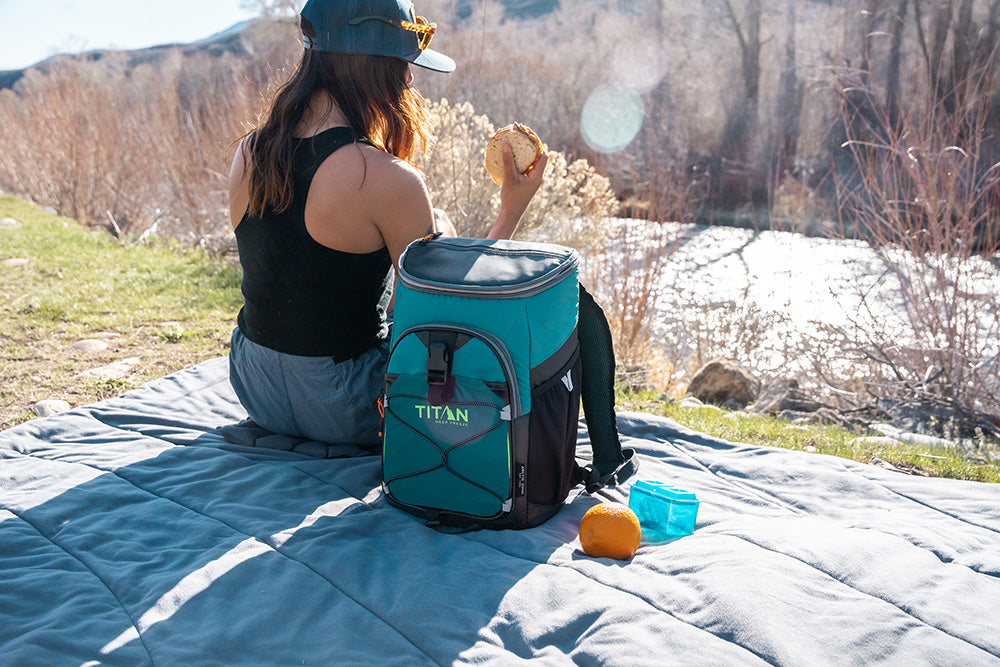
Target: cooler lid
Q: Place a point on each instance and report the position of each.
(497, 268)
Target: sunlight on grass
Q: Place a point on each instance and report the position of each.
(108, 387)
(980, 464)
(168, 305)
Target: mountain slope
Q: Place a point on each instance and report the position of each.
(241, 39)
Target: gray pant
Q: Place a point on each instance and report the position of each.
(310, 397)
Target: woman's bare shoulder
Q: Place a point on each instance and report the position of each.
(395, 199)
(366, 175)
(387, 173)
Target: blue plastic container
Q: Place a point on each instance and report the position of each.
(665, 512)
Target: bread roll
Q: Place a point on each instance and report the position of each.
(523, 141)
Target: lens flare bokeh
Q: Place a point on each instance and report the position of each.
(640, 63)
(611, 118)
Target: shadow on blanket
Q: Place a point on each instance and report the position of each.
(132, 532)
(188, 556)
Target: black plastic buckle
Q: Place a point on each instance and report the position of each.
(438, 362)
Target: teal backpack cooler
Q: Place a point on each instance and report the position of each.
(494, 346)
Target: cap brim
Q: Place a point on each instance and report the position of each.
(434, 60)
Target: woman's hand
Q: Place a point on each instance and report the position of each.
(516, 192)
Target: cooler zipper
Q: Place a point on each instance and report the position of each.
(530, 288)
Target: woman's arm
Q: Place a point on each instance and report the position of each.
(515, 193)
(239, 190)
(398, 204)
(401, 209)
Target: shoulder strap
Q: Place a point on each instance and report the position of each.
(611, 463)
(312, 151)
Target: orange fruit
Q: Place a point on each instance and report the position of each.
(610, 530)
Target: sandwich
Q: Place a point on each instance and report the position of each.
(525, 144)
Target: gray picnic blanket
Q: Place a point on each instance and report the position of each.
(153, 529)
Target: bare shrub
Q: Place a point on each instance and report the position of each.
(698, 330)
(737, 330)
(570, 208)
(144, 149)
(453, 167)
(504, 74)
(139, 148)
(926, 197)
(533, 70)
(542, 71)
(131, 150)
(798, 207)
(626, 279)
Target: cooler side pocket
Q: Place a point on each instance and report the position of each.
(555, 415)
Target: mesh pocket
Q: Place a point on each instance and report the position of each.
(555, 414)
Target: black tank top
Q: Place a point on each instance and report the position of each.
(301, 297)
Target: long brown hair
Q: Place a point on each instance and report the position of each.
(371, 92)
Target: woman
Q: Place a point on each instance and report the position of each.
(323, 199)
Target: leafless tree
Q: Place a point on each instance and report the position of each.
(740, 164)
(788, 107)
(898, 20)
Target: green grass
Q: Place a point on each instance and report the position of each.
(982, 465)
(168, 305)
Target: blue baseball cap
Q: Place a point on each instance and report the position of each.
(371, 27)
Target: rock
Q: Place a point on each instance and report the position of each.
(690, 402)
(885, 429)
(16, 261)
(784, 394)
(89, 346)
(924, 440)
(820, 416)
(916, 415)
(112, 371)
(9, 223)
(49, 407)
(876, 440)
(900, 435)
(788, 415)
(879, 463)
(441, 218)
(723, 381)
